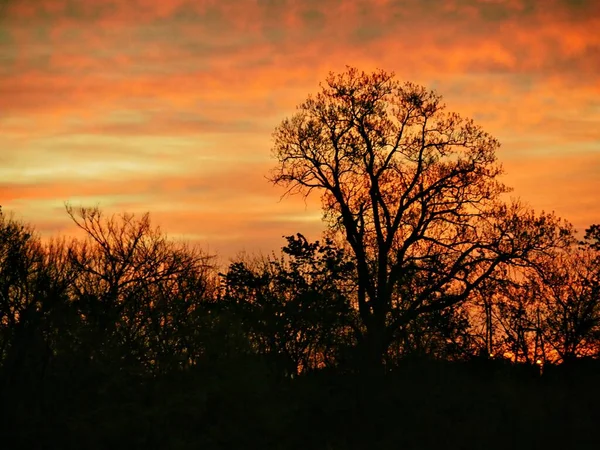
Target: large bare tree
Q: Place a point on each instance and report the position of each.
(414, 191)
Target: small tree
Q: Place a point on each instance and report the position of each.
(414, 191)
(34, 307)
(294, 309)
(570, 293)
(139, 293)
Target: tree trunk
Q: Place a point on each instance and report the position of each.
(372, 349)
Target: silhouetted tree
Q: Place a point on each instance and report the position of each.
(519, 319)
(547, 311)
(295, 308)
(442, 334)
(141, 296)
(592, 237)
(570, 293)
(415, 192)
(34, 308)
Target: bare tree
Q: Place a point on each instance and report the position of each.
(138, 288)
(569, 293)
(413, 189)
(34, 286)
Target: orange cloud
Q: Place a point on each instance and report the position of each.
(168, 105)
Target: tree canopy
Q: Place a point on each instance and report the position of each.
(413, 189)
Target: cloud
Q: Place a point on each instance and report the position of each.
(567, 184)
(168, 105)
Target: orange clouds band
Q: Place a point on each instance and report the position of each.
(168, 106)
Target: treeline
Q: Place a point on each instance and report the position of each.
(128, 293)
(423, 319)
(114, 316)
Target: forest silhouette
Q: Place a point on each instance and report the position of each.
(435, 312)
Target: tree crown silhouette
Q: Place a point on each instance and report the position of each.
(412, 188)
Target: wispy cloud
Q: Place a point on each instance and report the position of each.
(168, 106)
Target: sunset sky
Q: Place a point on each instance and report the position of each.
(168, 106)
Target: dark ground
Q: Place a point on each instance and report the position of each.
(422, 405)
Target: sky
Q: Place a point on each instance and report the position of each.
(168, 106)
